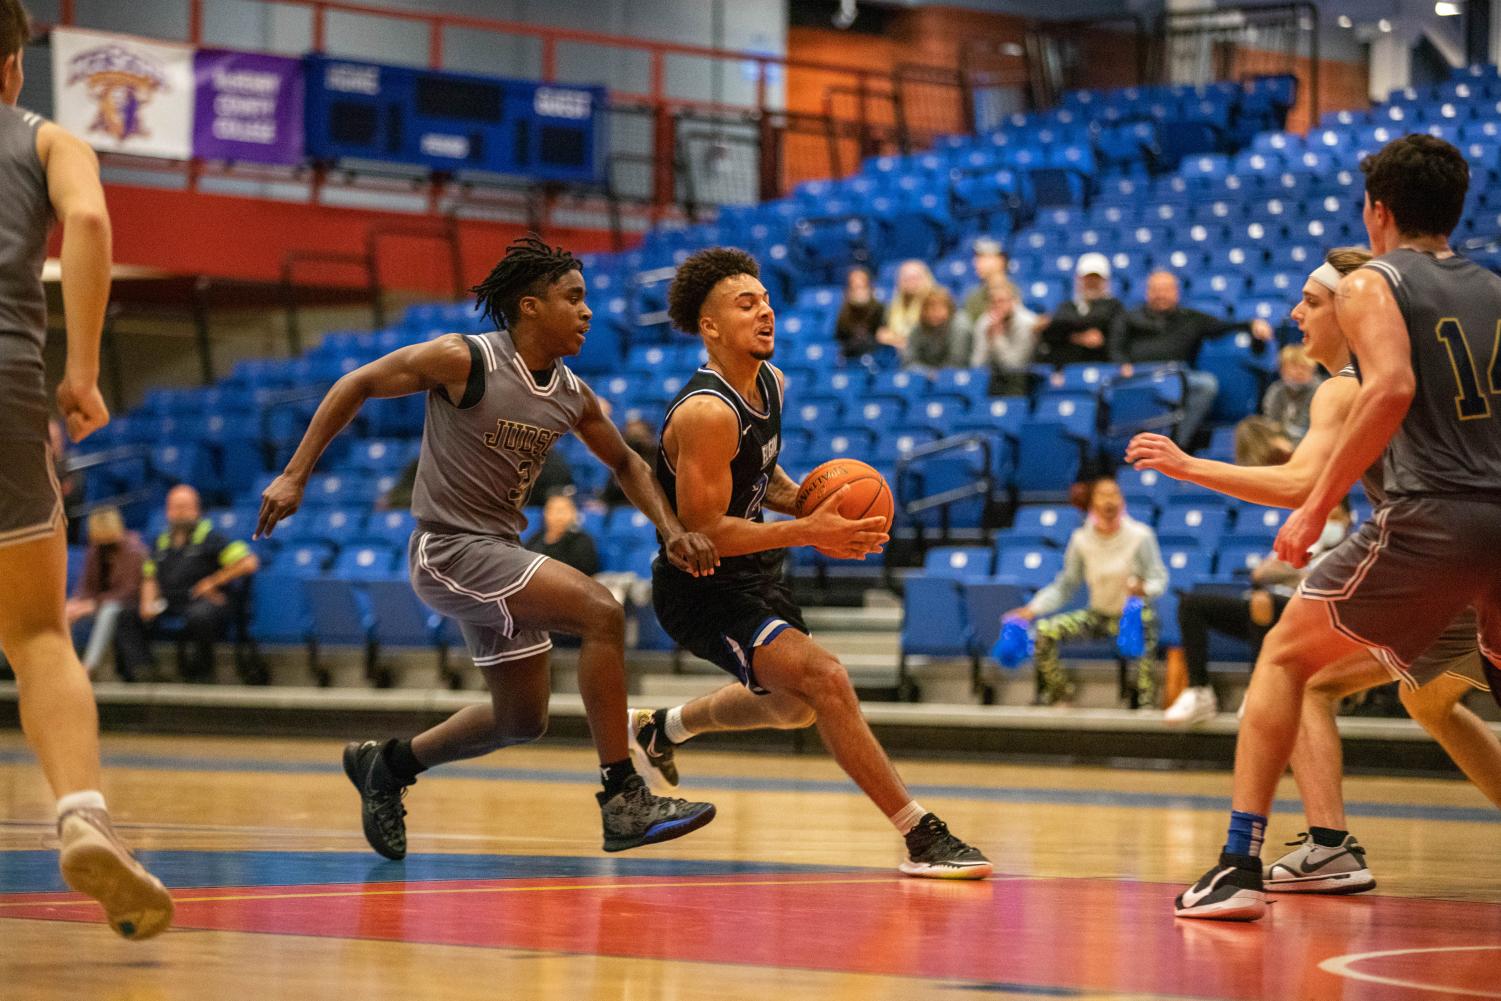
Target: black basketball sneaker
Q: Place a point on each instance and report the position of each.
(934, 853)
(1231, 891)
(634, 817)
(381, 812)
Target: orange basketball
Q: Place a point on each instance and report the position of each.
(868, 496)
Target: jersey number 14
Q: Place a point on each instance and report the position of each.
(1473, 400)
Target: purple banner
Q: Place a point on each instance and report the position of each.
(248, 107)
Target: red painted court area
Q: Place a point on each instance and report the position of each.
(1060, 936)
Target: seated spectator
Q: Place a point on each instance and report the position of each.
(1288, 399)
(109, 592)
(190, 567)
(1260, 441)
(913, 283)
(1005, 338)
(1248, 615)
(641, 439)
(1115, 557)
(1077, 331)
(990, 262)
(859, 317)
(561, 538)
(1162, 330)
(941, 338)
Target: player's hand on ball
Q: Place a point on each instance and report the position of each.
(82, 408)
(281, 500)
(1299, 532)
(842, 537)
(1155, 451)
(692, 552)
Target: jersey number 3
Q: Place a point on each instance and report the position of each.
(1473, 400)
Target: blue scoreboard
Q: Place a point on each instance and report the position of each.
(454, 121)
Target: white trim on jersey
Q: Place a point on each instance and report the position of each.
(485, 349)
(573, 380)
(753, 410)
(1386, 268)
(531, 384)
(702, 391)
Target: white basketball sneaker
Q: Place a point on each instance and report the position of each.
(1313, 868)
(1192, 706)
(94, 862)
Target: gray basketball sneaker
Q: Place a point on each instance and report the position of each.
(1312, 868)
(634, 817)
(94, 862)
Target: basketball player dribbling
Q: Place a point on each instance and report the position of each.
(47, 174)
(1422, 322)
(1327, 858)
(717, 463)
(496, 403)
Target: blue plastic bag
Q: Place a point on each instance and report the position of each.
(1015, 644)
(1131, 638)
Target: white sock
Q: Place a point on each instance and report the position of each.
(907, 817)
(88, 799)
(673, 729)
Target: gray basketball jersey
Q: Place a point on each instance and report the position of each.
(25, 219)
(480, 456)
(1450, 441)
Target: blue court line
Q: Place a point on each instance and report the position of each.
(36, 871)
(709, 783)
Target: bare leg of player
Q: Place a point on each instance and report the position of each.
(517, 714)
(62, 726)
(735, 707)
(1318, 757)
(1462, 734)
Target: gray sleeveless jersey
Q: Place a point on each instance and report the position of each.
(478, 460)
(25, 218)
(1450, 441)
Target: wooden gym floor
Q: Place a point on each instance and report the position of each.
(790, 893)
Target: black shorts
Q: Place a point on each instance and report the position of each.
(1412, 569)
(724, 619)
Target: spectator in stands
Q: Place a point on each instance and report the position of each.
(1078, 331)
(860, 316)
(990, 262)
(1115, 557)
(942, 336)
(642, 439)
(109, 592)
(1247, 616)
(1005, 338)
(1163, 330)
(186, 578)
(913, 283)
(561, 538)
(1288, 399)
(1260, 441)
(68, 483)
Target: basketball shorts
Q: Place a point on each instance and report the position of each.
(1411, 571)
(31, 503)
(468, 578)
(724, 620)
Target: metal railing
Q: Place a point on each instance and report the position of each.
(943, 500)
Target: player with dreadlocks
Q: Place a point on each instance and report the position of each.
(496, 403)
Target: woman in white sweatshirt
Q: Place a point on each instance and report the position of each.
(1116, 557)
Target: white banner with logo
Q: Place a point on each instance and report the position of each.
(124, 94)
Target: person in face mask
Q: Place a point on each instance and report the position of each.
(191, 564)
(109, 592)
(1327, 859)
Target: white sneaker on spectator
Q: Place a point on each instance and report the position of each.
(1193, 706)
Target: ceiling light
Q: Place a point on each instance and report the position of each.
(1446, 8)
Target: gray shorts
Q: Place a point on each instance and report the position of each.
(31, 503)
(1404, 585)
(468, 578)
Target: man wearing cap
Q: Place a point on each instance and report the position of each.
(1162, 330)
(1078, 331)
(990, 262)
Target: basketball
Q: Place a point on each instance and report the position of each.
(868, 496)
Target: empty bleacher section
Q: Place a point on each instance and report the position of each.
(1201, 181)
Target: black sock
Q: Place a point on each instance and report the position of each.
(614, 775)
(400, 762)
(1328, 837)
(659, 719)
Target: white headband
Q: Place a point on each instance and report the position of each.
(1326, 275)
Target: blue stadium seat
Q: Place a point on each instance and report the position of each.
(876, 413)
(365, 563)
(1254, 522)
(957, 561)
(1048, 459)
(340, 613)
(350, 489)
(1031, 567)
(1192, 522)
(279, 611)
(932, 623)
(306, 559)
(394, 528)
(1187, 562)
(1239, 560)
(904, 385)
(336, 525)
(1054, 522)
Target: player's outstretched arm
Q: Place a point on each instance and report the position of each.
(443, 362)
(1373, 324)
(690, 552)
(78, 202)
(706, 436)
(1287, 485)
